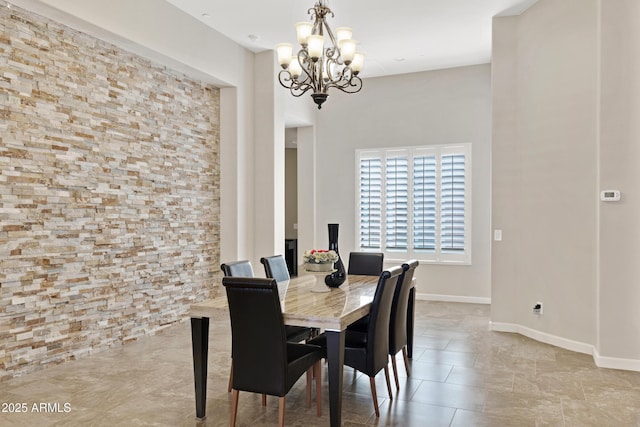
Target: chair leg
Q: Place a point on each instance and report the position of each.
(317, 368)
(309, 378)
(281, 412)
(372, 381)
(386, 376)
(230, 377)
(264, 400)
(406, 360)
(234, 407)
(395, 371)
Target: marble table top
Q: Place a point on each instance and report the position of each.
(307, 301)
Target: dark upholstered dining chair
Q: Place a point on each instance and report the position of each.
(365, 263)
(243, 269)
(265, 361)
(237, 269)
(398, 320)
(368, 351)
(275, 267)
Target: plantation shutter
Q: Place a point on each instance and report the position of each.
(424, 202)
(370, 202)
(415, 202)
(452, 203)
(397, 202)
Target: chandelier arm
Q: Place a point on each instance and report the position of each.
(333, 51)
(341, 77)
(296, 87)
(318, 13)
(302, 87)
(311, 75)
(317, 78)
(285, 79)
(346, 75)
(299, 92)
(310, 68)
(353, 84)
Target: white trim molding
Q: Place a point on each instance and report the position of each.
(616, 362)
(557, 341)
(577, 346)
(453, 298)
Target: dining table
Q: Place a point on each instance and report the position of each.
(305, 301)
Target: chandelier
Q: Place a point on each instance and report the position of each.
(316, 68)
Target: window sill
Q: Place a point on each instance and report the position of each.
(427, 261)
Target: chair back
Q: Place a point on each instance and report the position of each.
(379, 316)
(275, 267)
(399, 308)
(237, 269)
(258, 348)
(365, 263)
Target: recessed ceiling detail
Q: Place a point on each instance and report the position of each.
(433, 34)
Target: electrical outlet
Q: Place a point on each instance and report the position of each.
(537, 308)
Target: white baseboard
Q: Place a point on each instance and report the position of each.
(568, 344)
(453, 298)
(580, 347)
(616, 362)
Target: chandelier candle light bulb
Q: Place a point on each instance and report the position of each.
(348, 50)
(324, 61)
(303, 31)
(316, 46)
(294, 67)
(343, 33)
(357, 63)
(284, 51)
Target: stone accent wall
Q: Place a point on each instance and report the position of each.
(109, 194)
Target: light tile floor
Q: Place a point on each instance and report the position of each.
(462, 375)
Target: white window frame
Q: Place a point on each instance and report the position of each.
(436, 256)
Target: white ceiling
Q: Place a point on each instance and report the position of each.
(399, 36)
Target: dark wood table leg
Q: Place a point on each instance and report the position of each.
(200, 346)
(411, 311)
(335, 359)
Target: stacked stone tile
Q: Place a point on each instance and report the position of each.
(109, 194)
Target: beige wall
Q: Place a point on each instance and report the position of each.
(566, 87)
(619, 232)
(109, 194)
(307, 179)
(436, 107)
(291, 193)
(505, 170)
(269, 160)
(545, 168)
